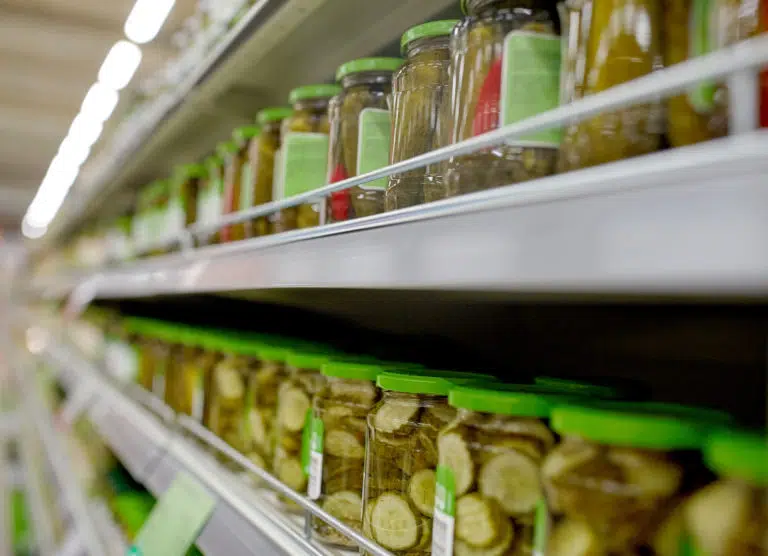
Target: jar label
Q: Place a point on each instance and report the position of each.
(444, 512)
(530, 83)
(278, 181)
(246, 186)
(304, 161)
(316, 442)
(540, 528)
(374, 136)
(306, 437)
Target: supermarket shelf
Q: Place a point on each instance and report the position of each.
(686, 222)
(89, 540)
(155, 449)
(272, 49)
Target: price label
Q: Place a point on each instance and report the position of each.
(176, 520)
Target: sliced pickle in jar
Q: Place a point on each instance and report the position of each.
(229, 384)
(573, 538)
(478, 520)
(290, 472)
(454, 454)
(345, 505)
(421, 490)
(716, 514)
(344, 444)
(499, 548)
(393, 416)
(512, 479)
(358, 392)
(394, 524)
(649, 475)
(257, 428)
(292, 409)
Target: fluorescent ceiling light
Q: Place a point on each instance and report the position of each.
(120, 65)
(32, 232)
(85, 130)
(146, 19)
(58, 180)
(99, 102)
(74, 151)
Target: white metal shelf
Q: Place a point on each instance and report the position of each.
(273, 48)
(155, 445)
(686, 222)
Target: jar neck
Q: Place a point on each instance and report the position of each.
(314, 105)
(366, 78)
(427, 44)
(271, 127)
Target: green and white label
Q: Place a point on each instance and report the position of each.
(246, 186)
(530, 83)
(316, 441)
(373, 141)
(176, 520)
(306, 437)
(540, 528)
(444, 512)
(702, 40)
(304, 162)
(175, 220)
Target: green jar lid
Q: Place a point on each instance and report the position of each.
(271, 352)
(414, 383)
(322, 90)
(192, 171)
(362, 368)
(273, 114)
(707, 415)
(738, 454)
(368, 64)
(439, 28)
(506, 399)
(244, 134)
(449, 374)
(628, 424)
(307, 359)
(577, 387)
(213, 160)
(226, 148)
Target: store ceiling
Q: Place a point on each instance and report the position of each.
(50, 54)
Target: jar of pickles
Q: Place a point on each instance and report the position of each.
(209, 197)
(186, 183)
(226, 408)
(490, 496)
(338, 442)
(305, 153)
(263, 160)
(616, 475)
(294, 411)
(359, 118)
(154, 355)
(691, 29)
(237, 178)
(599, 55)
(400, 460)
(505, 68)
(193, 366)
(420, 112)
(261, 403)
(730, 516)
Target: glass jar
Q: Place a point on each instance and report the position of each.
(209, 198)
(420, 112)
(479, 87)
(400, 461)
(489, 463)
(227, 398)
(338, 443)
(238, 182)
(229, 152)
(730, 516)
(309, 121)
(693, 28)
(366, 84)
(600, 55)
(185, 185)
(616, 474)
(294, 405)
(262, 157)
(158, 217)
(195, 366)
(261, 403)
